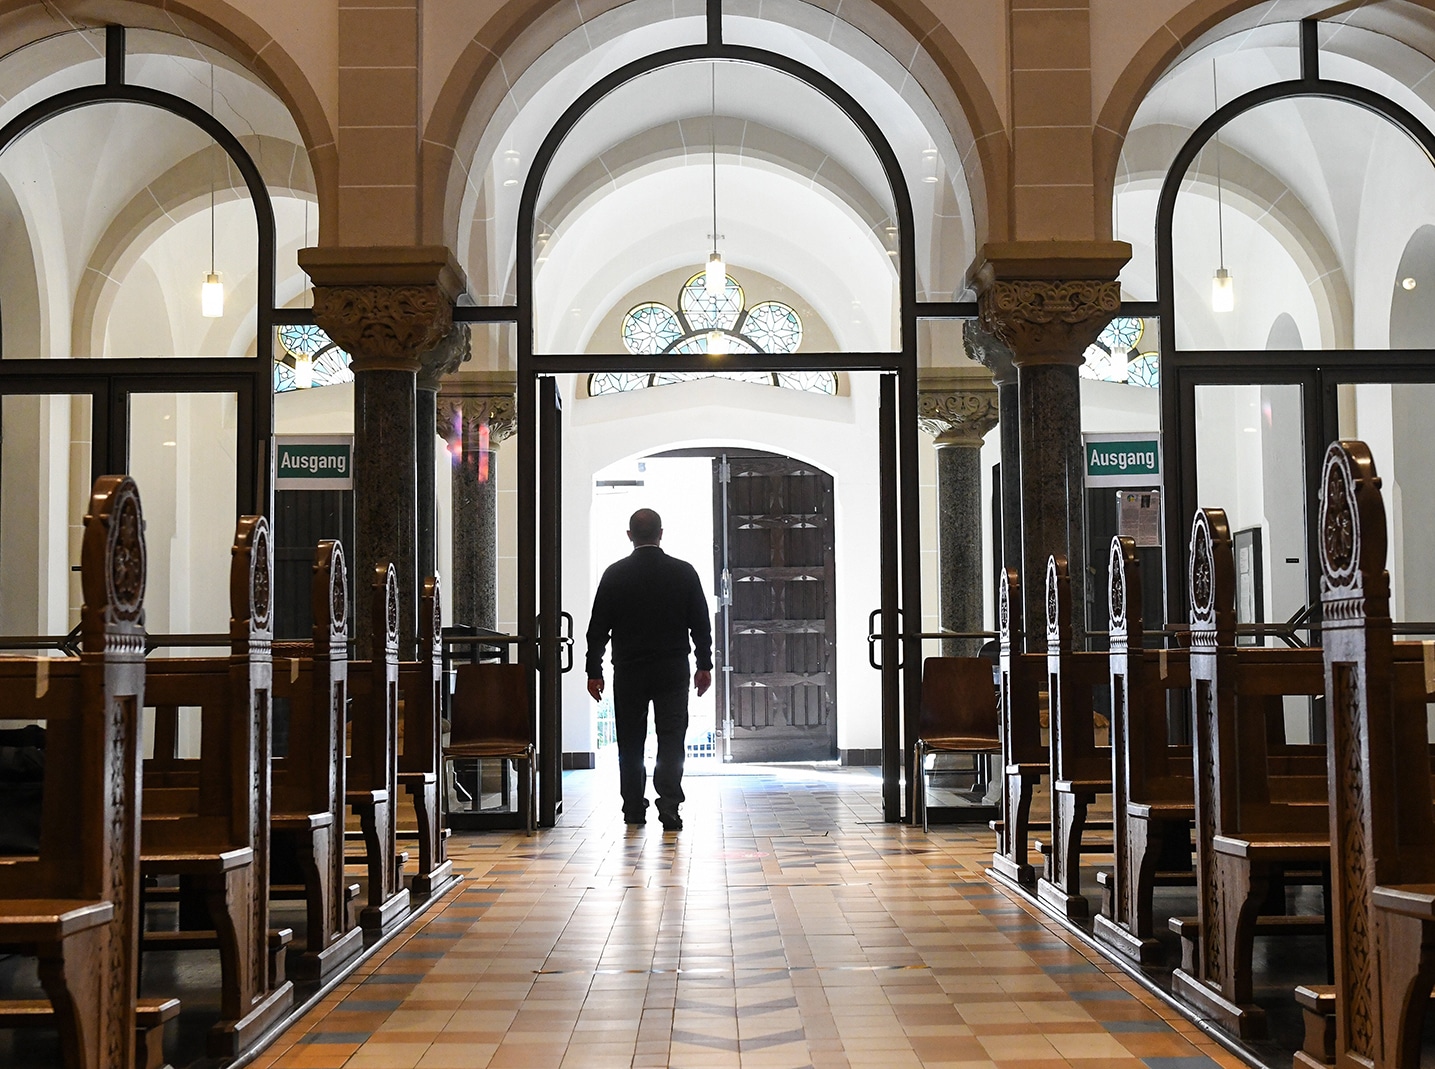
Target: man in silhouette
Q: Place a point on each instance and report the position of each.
(649, 603)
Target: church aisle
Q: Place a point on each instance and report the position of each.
(786, 927)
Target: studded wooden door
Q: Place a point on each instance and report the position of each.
(778, 635)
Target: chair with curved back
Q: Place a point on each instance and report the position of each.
(489, 718)
(958, 713)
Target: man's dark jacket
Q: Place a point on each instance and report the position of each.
(649, 602)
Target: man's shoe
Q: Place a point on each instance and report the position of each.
(671, 821)
(629, 819)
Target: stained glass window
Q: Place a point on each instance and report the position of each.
(1114, 357)
(767, 327)
(704, 312)
(650, 328)
(1145, 370)
(306, 344)
(773, 327)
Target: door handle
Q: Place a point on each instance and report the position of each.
(565, 642)
(874, 637)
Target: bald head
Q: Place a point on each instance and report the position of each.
(645, 528)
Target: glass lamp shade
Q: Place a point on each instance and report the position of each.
(715, 278)
(717, 343)
(211, 297)
(1223, 291)
(303, 371)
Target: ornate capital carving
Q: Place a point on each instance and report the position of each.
(384, 328)
(987, 349)
(957, 416)
(461, 416)
(385, 306)
(1045, 321)
(453, 349)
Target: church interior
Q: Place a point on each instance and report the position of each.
(1074, 664)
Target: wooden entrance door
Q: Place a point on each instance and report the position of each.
(777, 634)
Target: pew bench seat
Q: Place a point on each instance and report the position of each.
(301, 822)
(49, 920)
(151, 1015)
(1172, 811)
(1274, 846)
(1415, 900)
(195, 863)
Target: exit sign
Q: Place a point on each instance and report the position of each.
(1123, 459)
(315, 462)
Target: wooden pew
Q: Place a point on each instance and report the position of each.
(1079, 769)
(421, 684)
(1382, 818)
(1024, 756)
(307, 817)
(206, 819)
(373, 771)
(75, 906)
(1260, 804)
(1153, 792)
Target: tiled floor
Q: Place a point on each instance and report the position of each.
(786, 926)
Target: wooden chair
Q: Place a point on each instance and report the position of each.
(206, 819)
(959, 713)
(373, 773)
(1024, 755)
(307, 817)
(1259, 802)
(488, 718)
(1382, 818)
(75, 906)
(421, 684)
(1153, 792)
(1080, 769)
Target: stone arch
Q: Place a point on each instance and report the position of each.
(495, 57)
(220, 25)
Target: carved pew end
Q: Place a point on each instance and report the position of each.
(1189, 929)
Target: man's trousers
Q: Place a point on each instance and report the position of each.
(664, 685)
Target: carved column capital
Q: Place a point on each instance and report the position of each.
(461, 414)
(989, 350)
(1047, 301)
(956, 415)
(385, 307)
(1048, 322)
(452, 350)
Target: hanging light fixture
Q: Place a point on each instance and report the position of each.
(715, 276)
(303, 371)
(1223, 286)
(211, 294)
(717, 343)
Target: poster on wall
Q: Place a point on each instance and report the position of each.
(1131, 460)
(314, 462)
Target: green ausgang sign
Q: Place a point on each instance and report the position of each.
(1123, 462)
(314, 465)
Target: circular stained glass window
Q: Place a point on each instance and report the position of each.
(1144, 370)
(303, 339)
(704, 312)
(773, 327)
(1121, 335)
(650, 328)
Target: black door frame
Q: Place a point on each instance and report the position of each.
(110, 381)
(1317, 371)
(901, 597)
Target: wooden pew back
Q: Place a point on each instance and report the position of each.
(1024, 755)
(90, 832)
(1382, 817)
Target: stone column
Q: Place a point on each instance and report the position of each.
(1047, 301)
(443, 359)
(958, 410)
(473, 419)
(986, 349)
(385, 306)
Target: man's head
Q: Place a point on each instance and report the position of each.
(645, 528)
